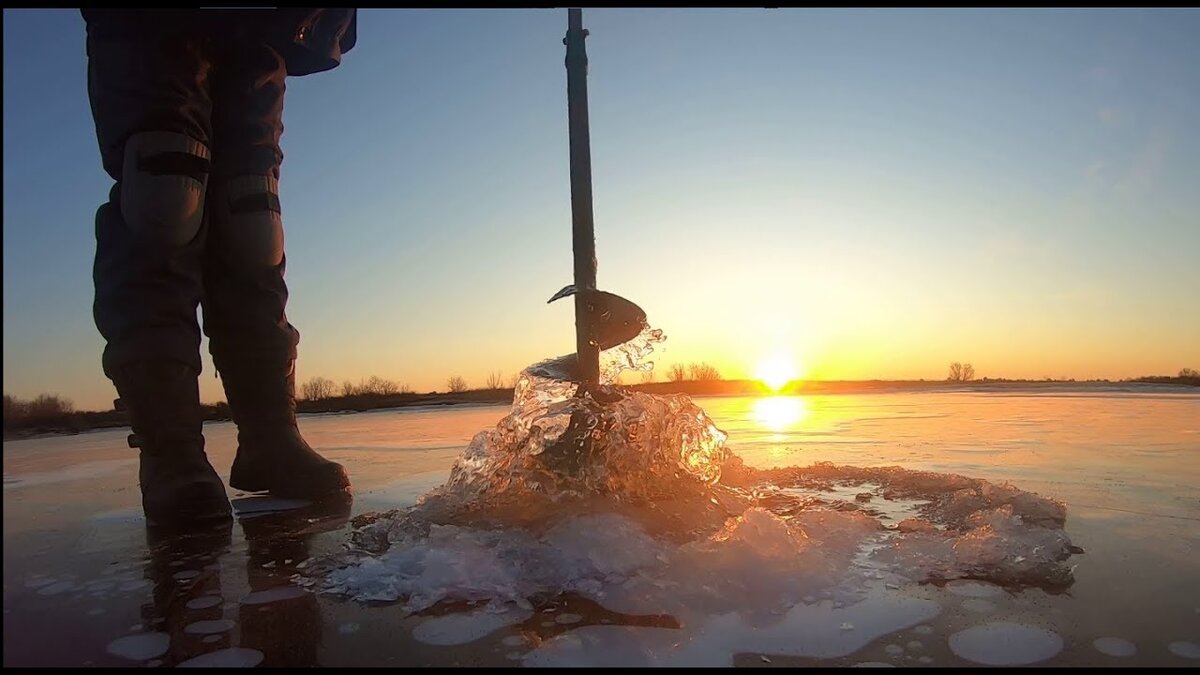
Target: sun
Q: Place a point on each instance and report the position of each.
(776, 371)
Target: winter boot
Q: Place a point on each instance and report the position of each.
(272, 455)
(179, 486)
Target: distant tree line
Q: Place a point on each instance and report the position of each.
(1189, 376)
(701, 372)
(44, 408)
(324, 389)
(50, 412)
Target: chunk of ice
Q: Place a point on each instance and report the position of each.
(140, 647)
(1114, 646)
(234, 657)
(1005, 644)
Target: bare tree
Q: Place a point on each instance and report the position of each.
(512, 381)
(380, 386)
(349, 389)
(10, 405)
(14, 409)
(703, 371)
(677, 372)
(45, 406)
(457, 384)
(647, 376)
(956, 372)
(1183, 372)
(961, 372)
(317, 389)
(495, 380)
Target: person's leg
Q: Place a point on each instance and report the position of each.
(252, 343)
(151, 109)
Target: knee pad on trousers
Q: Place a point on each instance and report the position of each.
(163, 180)
(250, 222)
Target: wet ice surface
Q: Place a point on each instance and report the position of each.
(140, 647)
(974, 589)
(226, 658)
(456, 629)
(1123, 465)
(1114, 646)
(273, 595)
(1005, 644)
(83, 471)
(804, 630)
(258, 505)
(634, 502)
(204, 602)
(1188, 650)
(209, 627)
(978, 605)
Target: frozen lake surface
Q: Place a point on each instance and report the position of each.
(83, 586)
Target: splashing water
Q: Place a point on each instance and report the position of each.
(635, 447)
(634, 501)
(557, 446)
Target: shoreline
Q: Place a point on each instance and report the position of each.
(86, 421)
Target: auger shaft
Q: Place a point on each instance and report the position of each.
(583, 239)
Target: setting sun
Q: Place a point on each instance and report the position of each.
(777, 371)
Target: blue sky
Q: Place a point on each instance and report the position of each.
(872, 193)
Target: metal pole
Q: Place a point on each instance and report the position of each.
(583, 239)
